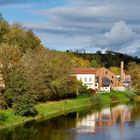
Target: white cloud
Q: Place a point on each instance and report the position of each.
(75, 24)
(132, 48)
(120, 34)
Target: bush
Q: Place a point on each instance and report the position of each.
(25, 106)
(97, 100)
(3, 117)
(83, 91)
(130, 95)
(114, 95)
(3, 104)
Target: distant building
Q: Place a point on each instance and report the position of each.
(86, 76)
(106, 79)
(102, 79)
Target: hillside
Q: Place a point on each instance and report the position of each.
(109, 59)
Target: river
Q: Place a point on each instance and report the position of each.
(120, 122)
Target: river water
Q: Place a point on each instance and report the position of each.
(121, 122)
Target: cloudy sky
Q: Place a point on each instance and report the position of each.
(89, 24)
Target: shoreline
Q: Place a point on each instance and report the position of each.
(46, 111)
(56, 108)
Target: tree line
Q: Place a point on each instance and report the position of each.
(108, 59)
(33, 73)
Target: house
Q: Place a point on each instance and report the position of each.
(106, 84)
(124, 79)
(106, 79)
(86, 76)
(102, 79)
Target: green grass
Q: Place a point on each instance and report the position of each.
(56, 108)
(45, 111)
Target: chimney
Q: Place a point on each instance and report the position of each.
(122, 71)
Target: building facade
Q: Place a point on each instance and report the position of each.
(86, 76)
(102, 79)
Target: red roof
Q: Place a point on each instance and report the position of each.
(85, 71)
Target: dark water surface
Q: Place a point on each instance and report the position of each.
(121, 122)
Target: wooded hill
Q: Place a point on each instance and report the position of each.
(109, 59)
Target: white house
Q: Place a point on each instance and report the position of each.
(86, 76)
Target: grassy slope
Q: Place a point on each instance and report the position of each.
(52, 109)
(46, 111)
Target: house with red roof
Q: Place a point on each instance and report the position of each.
(87, 76)
(102, 79)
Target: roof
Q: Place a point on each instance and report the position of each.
(85, 71)
(106, 81)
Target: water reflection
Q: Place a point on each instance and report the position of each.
(121, 122)
(104, 119)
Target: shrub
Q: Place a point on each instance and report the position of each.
(3, 117)
(25, 106)
(114, 95)
(130, 95)
(97, 100)
(83, 91)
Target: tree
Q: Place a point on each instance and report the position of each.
(76, 61)
(24, 39)
(115, 70)
(18, 86)
(4, 29)
(18, 93)
(94, 64)
(9, 58)
(134, 70)
(50, 73)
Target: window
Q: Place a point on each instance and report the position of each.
(80, 79)
(85, 79)
(90, 79)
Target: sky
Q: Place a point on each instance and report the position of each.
(82, 24)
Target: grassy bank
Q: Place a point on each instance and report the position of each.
(52, 109)
(45, 111)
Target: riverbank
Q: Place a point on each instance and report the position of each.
(57, 108)
(45, 111)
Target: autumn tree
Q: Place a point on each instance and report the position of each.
(4, 29)
(16, 81)
(134, 70)
(77, 61)
(115, 70)
(50, 73)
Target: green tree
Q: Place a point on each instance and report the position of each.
(4, 29)
(115, 70)
(94, 64)
(24, 39)
(50, 73)
(18, 93)
(134, 71)
(18, 85)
